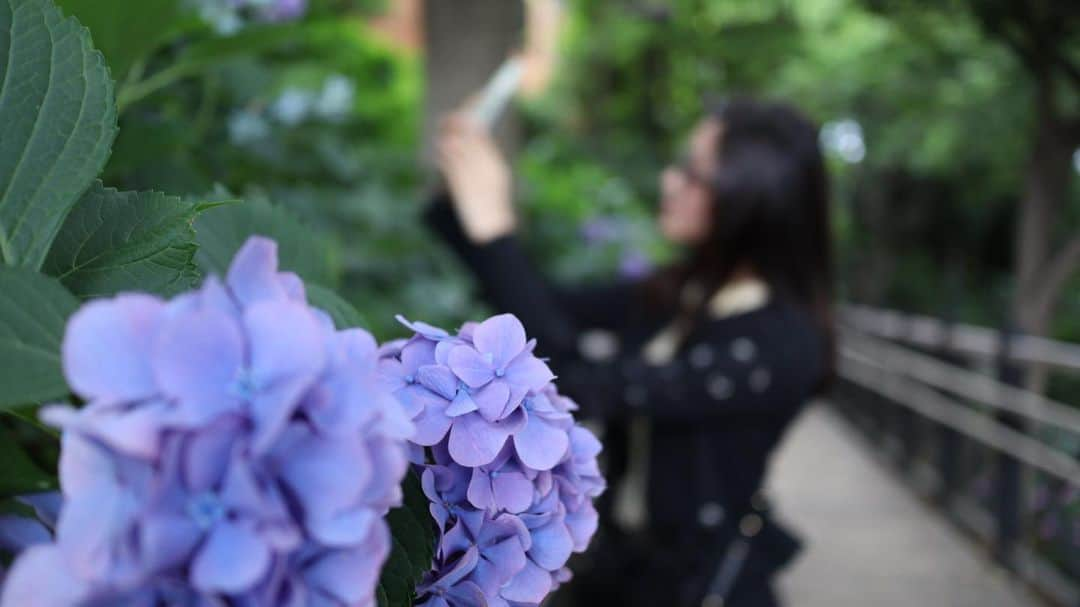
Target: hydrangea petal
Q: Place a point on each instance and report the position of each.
(417, 353)
(529, 372)
(107, 345)
(492, 400)
(253, 274)
(167, 540)
(18, 533)
(512, 491)
(271, 410)
(327, 475)
(46, 505)
(347, 575)
(197, 357)
(582, 524)
(474, 441)
(499, 563)
(393, 420)
(541, 445)
(87, 526)
(462, 403)
(463, 566)
(551, 545)
(502, 336)
(432, 424)
(83, 465)
(344, 528)
(40, 577)
(438, 379)
(206, 454)
(480, 493)
(286, 342)
(232, 560)
(133, 431)
(293, 286)
(530, 585)
(428, 331)
(472, 367)
(468, 594)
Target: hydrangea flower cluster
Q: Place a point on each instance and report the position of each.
(229, 16)
(332, 104)
(509, 474)
(234, 449)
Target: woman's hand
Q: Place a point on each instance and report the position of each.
(478, 177)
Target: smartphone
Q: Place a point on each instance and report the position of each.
(498, 92)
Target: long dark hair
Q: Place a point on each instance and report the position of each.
(771, 211)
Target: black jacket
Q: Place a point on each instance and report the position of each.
(718, 409)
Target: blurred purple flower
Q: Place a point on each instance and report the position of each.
(229, 16)
(600, 230)
(634, 264)
(233, 444)
(281, 10)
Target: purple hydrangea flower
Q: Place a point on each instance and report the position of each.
(479, 388)
(280, 10)
(229, 16)
(634, 264)
(601, 229)
(234, 448)
(509, 475)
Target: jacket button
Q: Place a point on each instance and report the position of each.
(743, 349)
(710, 514)
(719, 387)
(712, 600)
(750, 525)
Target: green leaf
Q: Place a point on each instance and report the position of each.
(344, 314)
(58, 119)
(413, 532)
(28, 415)
(126, 31)
(18, 473)
(122, 241)
(33, 311)
(222, 231)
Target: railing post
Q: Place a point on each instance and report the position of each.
(1008, 488)
(949, 439)
(905, 426)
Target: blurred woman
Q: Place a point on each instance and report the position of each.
(718, 351)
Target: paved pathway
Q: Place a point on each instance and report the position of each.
(870, 543)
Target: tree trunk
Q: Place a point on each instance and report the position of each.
(465, 41)
(1041, 268)
(1040, 212)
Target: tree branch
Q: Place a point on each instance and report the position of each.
(1057, 273)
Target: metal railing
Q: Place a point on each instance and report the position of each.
(945, 405)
